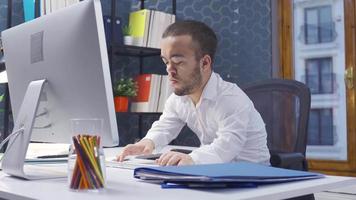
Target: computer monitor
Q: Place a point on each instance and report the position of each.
(63, 57)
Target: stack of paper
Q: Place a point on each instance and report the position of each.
(47, 152)
(241, 174)
(45, 149)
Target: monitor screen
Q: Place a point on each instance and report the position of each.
(67, 48)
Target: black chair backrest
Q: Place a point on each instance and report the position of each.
(284, 106)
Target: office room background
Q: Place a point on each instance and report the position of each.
(248, 51)
(239, 45)
(243, 56)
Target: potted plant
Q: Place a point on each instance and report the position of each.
(127, 31)
(123, 89)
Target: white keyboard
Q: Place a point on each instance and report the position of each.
(130, 163)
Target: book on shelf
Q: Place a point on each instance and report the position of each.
(151, 30)
(157, 27)
(116, 31)
(48, 6)
(161, 21)
(118, 35)
(148, 93)
(153, 91)
(107, 28)
(148, 26)
(57, 4)
(165, 91)
(139, 22)
(29, 9)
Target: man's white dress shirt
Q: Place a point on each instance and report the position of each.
(225, 121)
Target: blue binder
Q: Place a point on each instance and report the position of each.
(107, 28)
(116, 31)
(29, 9)
(226, 174)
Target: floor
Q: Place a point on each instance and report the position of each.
(344, 193)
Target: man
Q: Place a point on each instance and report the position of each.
(219, 113)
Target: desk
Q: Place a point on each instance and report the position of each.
(122, 185)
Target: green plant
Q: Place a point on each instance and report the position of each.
(126, 30)
(125, 87)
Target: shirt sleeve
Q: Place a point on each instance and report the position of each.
(231, 134)
(169, 125)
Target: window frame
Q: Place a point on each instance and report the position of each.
(319, 35)
(320, 132)
(284, 69)
(320, 75)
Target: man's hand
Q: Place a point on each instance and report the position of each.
(144, 146)
(175, 158)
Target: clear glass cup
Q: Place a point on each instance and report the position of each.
(86, 159)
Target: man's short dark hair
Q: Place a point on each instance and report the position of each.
(203, 36)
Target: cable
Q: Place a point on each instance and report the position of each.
(15, 133)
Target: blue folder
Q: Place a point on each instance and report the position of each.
(29, 9)
(116, 31)
(234, 174)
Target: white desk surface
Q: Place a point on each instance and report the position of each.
(122, 185)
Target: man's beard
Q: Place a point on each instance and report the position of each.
(195, 80)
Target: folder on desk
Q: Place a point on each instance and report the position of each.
(221, 174)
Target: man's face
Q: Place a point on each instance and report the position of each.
(183, 68)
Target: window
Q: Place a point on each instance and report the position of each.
(320, 129)
(319, 75)
(319, 27)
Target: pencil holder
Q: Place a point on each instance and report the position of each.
(86, 161)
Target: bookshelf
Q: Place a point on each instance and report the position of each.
(128, 50)
(7, 109)
(134, 51)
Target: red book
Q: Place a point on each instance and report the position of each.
(144, 84)
(148, 93)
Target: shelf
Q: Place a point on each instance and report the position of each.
(128, 50)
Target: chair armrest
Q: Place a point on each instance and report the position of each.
(295, 161)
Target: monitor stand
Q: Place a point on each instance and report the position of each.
(13, 162)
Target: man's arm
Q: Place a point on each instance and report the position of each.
(161, 133)
(169, 125)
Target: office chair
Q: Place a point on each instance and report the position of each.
(284, 106)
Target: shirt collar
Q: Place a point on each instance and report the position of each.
(209, 91)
